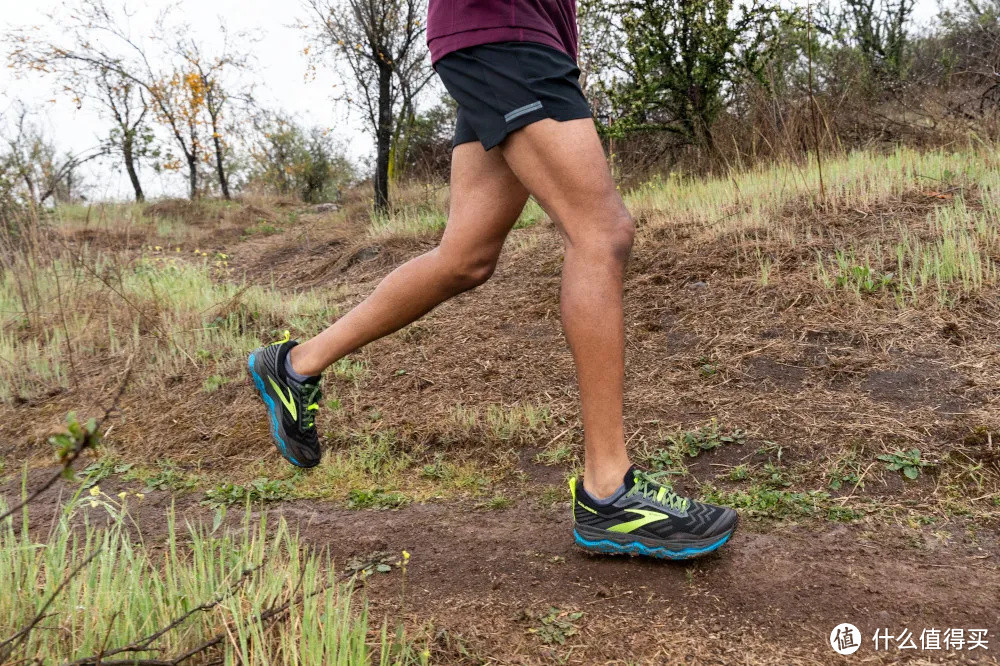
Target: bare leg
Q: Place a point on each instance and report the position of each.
(486, 199)
(563, 165)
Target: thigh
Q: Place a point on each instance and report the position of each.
(563, 165)
(486, 200)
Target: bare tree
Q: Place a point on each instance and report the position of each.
(32, 164)
(212, 72)
(178, 93)
(382, 44)
(131, 135)
(88, 73)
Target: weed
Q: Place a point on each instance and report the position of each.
(439, 470)
(258, 491)
(496, 503)
(739, 473)
(774, 476)
(766, 268)
(194, 315)
(530, 215)
(706, 438)
(555, 626)
(518, 422)
(170, 478)
(104, 468)
(408, 222)
(763, 502)
(849, 274)
(840, 478)
(510, 422)
(214, 383)
(843, 514)
(472, 481)
(908, 462)
(555, 455)
(261, 228)
(350, 370)
(669, 460)
(378, 454)
(552, 495)
(376, 498)
(706, 367)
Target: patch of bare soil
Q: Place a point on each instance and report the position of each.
(478, 581)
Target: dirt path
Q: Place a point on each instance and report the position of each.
(479, 581)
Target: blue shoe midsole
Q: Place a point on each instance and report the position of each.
(612, 547)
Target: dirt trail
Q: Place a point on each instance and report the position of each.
(479, 580)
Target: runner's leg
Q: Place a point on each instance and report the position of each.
(486, 199)
(562, 164)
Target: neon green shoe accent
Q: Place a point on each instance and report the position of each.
(288, 402)
(647, 518)
(288, 336)
(313, 407)
(572, 492)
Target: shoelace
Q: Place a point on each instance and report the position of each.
(312, 406)
(649, 487)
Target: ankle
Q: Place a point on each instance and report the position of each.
(601, 482)
(299, 362)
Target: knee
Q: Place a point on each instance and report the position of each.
(621, 237)
(609, 242)
(469, 271)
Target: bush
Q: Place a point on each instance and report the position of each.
(290, 160)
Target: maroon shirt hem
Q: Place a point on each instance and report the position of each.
(442, 46)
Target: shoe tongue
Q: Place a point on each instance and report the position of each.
(630, 477)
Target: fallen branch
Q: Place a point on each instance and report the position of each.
(143, 644)
(8, 646)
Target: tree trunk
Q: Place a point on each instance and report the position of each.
(128, 153)
(221, 170)
(383, 141)
(192, 177)
(220, 167)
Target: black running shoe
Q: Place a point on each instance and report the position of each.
(291, 405)
(649, 519)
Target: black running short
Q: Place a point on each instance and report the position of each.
(504, 86)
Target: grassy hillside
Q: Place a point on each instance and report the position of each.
(817, 349)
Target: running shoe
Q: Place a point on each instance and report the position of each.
(650, 519)
(291, 405)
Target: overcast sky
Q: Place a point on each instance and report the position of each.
(281, 74)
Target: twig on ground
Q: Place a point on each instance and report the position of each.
(7, 647)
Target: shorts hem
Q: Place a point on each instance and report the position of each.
(529, 118)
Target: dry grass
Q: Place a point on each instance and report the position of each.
(750, 299)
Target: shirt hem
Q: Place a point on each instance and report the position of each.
(442, 46)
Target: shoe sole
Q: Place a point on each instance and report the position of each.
(611, 543)
(272, 413)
